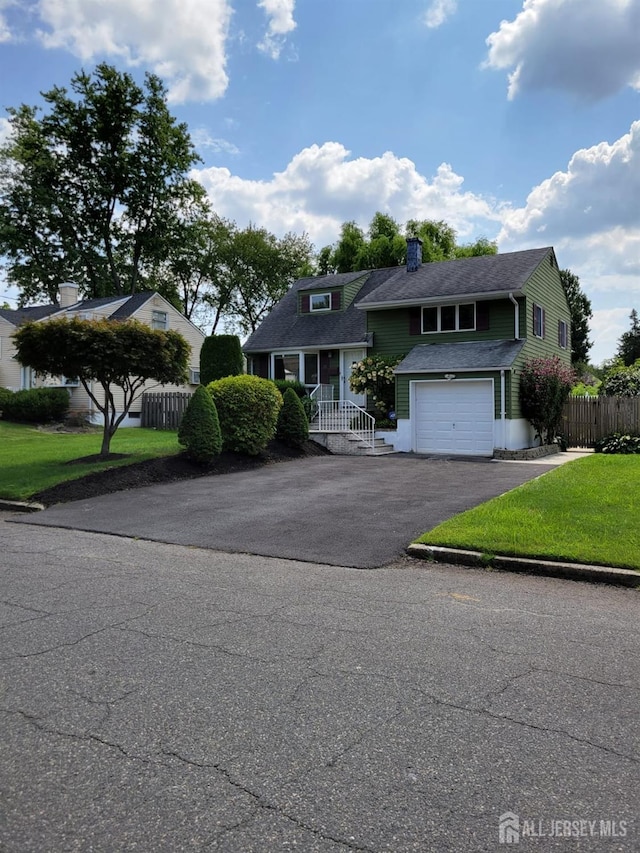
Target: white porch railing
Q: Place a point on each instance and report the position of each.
(345, 417)
(320, 393)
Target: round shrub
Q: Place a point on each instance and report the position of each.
(293, 426)
(199, 428)
(621, 382)
(36, 405)
(220, 356)
(248, 409)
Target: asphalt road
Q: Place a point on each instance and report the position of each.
(167, 698)
(346, 511)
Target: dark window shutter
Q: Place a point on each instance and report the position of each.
(415, 321)
(304, 303)
(482, 316)
(325, 365)
(335, 300)
(559, 333)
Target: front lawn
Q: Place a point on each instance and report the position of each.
(585, 511)
(32, 460)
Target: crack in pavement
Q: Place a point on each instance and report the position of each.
(20, 656)
(264, 804)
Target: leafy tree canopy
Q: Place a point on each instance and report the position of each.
(90, 189)
(384, 245)
(107, 354)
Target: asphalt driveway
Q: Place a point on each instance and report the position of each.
(345, 511)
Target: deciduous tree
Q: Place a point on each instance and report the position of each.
(90, 189)
(107, 354)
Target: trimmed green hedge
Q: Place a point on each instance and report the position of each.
(248, 408)
(35, 405)
(220, 356)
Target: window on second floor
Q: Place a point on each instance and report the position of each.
(563, 334)
(538, 321)
(320, 302)
(159, 320)
(449, 318)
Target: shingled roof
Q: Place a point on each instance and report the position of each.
(285, 328)
(18, 316)
(466, 355)
(466, 277)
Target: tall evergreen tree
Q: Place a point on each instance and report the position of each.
(581, 313)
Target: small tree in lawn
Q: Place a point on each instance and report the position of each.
(545, 385)
(199, 429)
(374, 376)
(105, 353)
(293, 426)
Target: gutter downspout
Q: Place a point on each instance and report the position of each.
(516, 321)
(503, 410)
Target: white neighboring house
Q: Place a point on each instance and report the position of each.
(149, 308)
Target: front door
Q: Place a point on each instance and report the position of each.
(347, 357)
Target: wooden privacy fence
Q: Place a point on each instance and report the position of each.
(586, 419)
(163, 409)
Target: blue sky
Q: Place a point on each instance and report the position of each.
(518, 120)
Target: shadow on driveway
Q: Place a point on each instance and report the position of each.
(346, 511)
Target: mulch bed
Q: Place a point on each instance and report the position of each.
(168, 469)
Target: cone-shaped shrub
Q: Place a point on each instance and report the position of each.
(199, 429)
(293, 426)
(248, 409)
(220, 356)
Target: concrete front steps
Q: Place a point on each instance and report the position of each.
(346, 444)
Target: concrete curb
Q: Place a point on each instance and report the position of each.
(547, 568)
(20, 506)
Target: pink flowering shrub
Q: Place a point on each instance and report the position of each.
(545, 385)
(374, 376)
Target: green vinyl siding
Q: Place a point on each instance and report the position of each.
(544, 288)
(351, 290)
(403, 381)
(391, 336)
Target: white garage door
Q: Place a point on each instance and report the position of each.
(454, 417)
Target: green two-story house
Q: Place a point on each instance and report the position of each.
(463, 327)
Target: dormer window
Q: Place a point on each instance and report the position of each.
(320, 302)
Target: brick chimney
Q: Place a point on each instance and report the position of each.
(414, 253)
(67, 294)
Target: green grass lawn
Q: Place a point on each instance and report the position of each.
(586, 511)
(32, 460)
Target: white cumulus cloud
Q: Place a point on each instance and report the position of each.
(590, 213)
(181, 40)
(322, 187)
(590, 48)
(438, 12)
(281, 23)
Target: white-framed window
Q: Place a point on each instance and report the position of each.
(159, 320)
(563, 334)
(194, 377)
(69, 381)
(320, 302)
(449, 318)
(538, 321)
